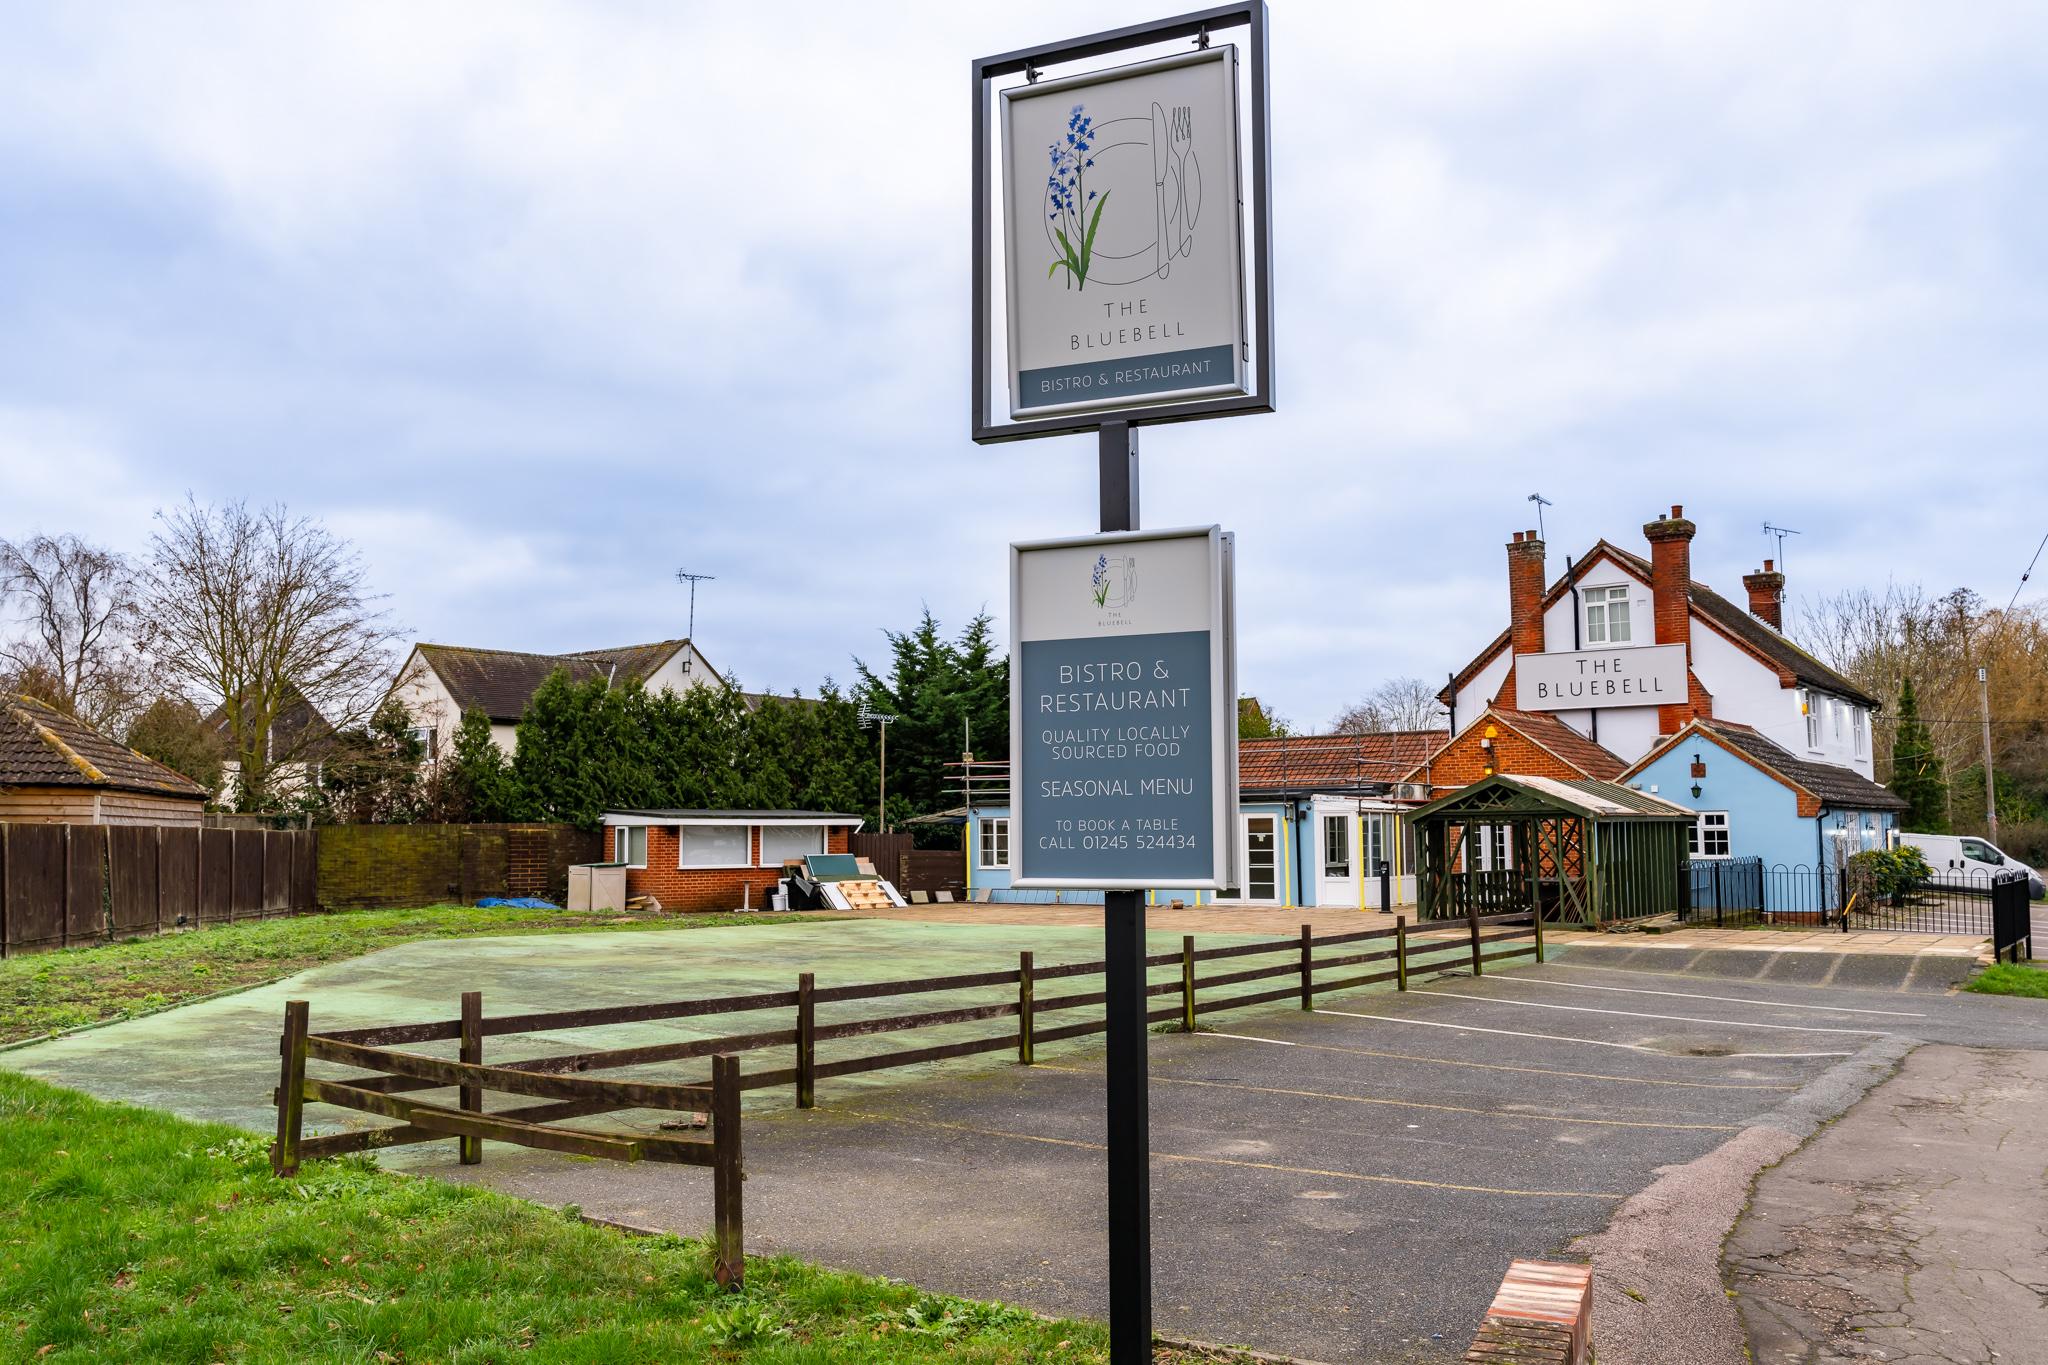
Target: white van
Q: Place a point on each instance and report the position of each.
(1964, 855)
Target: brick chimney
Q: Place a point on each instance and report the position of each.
(1525, 593)
(1671, 599)
(1767, 596)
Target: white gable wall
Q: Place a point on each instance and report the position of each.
(684, 668)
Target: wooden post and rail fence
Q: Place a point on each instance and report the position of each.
(559, 1080)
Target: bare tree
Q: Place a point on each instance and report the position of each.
(1397, 704)
(77, 625)
(261, 608)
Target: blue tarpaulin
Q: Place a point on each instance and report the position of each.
(518, 903)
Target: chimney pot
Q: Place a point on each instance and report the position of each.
(1677, 512)
(1767, 566)
(1518, 537)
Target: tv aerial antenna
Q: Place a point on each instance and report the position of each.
(1780, 532)
(693, 579)
(1541, 503)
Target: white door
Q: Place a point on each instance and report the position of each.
(1261, 858)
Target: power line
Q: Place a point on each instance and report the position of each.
(2030, 570)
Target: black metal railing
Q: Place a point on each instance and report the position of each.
(1736, 893)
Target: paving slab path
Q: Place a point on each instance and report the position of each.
(1913, 1229)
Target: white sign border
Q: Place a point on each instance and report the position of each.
(1240, 369)
(1223, 719)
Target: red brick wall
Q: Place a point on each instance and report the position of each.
(1465, 762)
(1764, 589)
(1671, 603)
(1525, 593)
(708, 888)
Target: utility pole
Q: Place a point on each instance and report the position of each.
(1990, 789)
(881, 721)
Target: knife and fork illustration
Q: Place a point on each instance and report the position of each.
(1173, 135)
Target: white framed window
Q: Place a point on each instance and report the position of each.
(1375, 843)
(629, 845)
(715, 846)
(786, 843)
(1811, 703)
(1859, 725)
(995, 842)
(1336, 846)
(429, 740)
(1708, 836)
(1837, 708)
(1607, 615)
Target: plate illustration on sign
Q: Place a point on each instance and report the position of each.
(1115, 581)
(1124, 270)
(1152, 159)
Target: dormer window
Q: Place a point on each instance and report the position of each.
(1606, 615)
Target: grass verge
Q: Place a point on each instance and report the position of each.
(2011, 978)
(47, 993)
(128, 1235)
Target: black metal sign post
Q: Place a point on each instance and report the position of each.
(1129, 1114)
(1128, 1110)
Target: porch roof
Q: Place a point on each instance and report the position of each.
(1505, 795)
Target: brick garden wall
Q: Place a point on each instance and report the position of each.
(370, 865)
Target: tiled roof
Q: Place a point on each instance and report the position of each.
(1831, 784)
(1541, 727)
(1332, 762)
(499, 682)
(1737, 622)
(40, 746)
(298, 729)
(1744, 625)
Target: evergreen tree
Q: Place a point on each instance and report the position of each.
(1917, 776)
(369, 775)
(479, 778)
(568, 761)
(170, 731)
(947, 695)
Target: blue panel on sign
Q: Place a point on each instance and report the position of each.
(1200, 367)
(1115, 780)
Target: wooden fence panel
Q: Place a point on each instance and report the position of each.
(85, 883)
(888, 852)
(216, 876)
(305, 871)
(132, 874)
(246, 897)
(34, 889)
(935, 869)
(177, 878)
(277, 872)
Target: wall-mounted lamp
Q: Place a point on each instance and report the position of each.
(1695, 791)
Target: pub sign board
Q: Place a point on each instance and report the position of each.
(1123, 712)
(1124, 265)
(1590, 679)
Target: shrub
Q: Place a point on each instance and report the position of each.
(1888, 873)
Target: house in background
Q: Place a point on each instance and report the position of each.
(297, 743)
(1626, 650)
(1317, 814)
(438, 683)
(1752, 798)
(717, 859)
(55, 769)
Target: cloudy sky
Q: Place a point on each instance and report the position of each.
(538, 303)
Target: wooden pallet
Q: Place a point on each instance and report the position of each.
(864, 895)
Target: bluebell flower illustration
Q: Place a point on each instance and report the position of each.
(1101, 581)
(1069, 198)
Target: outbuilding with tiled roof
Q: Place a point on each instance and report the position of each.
(55, 769)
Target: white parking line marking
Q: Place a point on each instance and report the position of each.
(1633, 1014)
(1560, 1038)
(1465, 1063)
(1694, 995)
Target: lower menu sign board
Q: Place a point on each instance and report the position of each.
(1123, 711)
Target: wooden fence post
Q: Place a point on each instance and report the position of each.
(1536, 921)
(1308, 989)
(806, 1041)
(1187, 983)
(470, 1150)
(1472, 918)
(1401, 952)
(1024, 1009)
(291, 1089)
(729, 1265)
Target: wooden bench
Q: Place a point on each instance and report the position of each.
(1543, 1315)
